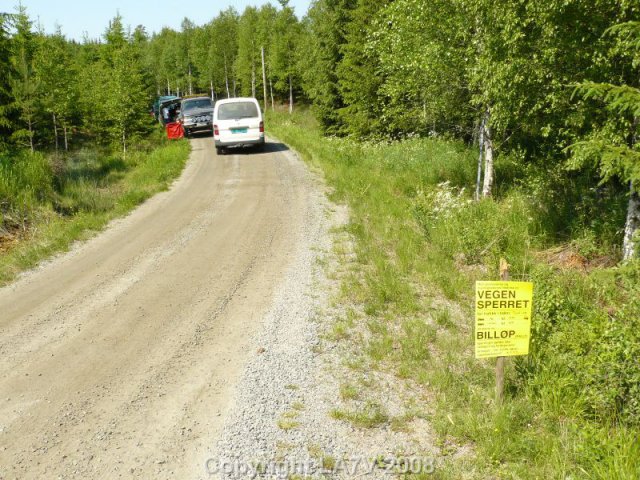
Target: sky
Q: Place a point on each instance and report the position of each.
(91, 16)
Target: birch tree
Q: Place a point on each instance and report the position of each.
(56, 73)
(248, 60)
(283, 52)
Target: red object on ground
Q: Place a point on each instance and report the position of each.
(174, 131)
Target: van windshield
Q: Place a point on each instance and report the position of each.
(230, 111)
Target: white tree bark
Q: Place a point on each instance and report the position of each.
(66, 138)
(487, 187)
(226, 76)
(55, 130)
(273, 105)
(290, 95)
(253, 79)
(629, 247)
(480, 156)
(264, 80)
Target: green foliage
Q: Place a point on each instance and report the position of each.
(587, 341)
(24, 85)
(5, 75)
(247, 66)
(282, 57)
(424, 53)
(25, 180)
(124, 97)
(612, 146)
(322, 41)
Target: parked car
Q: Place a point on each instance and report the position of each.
(237, 122)
(168, 110)
(160, 101)
(196, 115)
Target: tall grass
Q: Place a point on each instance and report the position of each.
(421, 242)
(49, 202)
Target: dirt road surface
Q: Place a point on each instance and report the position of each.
(119, 359)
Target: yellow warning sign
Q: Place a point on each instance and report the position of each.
(503, 318)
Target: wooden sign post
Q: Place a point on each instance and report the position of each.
(503, 321)
(500, 361)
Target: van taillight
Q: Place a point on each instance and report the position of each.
(215, 130)
(261, 127)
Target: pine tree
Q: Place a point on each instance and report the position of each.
(615, 151)
(5, 74)
(23, 82)
(126, 97)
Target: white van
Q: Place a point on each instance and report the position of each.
(237, 122)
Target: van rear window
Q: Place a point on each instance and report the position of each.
(231, 111)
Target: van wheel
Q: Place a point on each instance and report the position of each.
(219, 150)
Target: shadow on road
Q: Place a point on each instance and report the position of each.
(204, 134)
(269, 147)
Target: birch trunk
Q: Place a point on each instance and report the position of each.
(66, 138)
(264, 80)
(226, 76)
(253, 79)
(273, 105)
(480, 155)
(124, 144)
(487, 188)
(290, 95)
(629, 247)
(55, 131)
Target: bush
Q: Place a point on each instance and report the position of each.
(586, 342)
(24, 175)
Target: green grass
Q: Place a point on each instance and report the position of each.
(573, 405)
(64, 199)
(289, 419)
(369, 415)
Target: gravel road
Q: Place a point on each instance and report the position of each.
(124, 357)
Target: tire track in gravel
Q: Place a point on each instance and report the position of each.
(120, 358)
